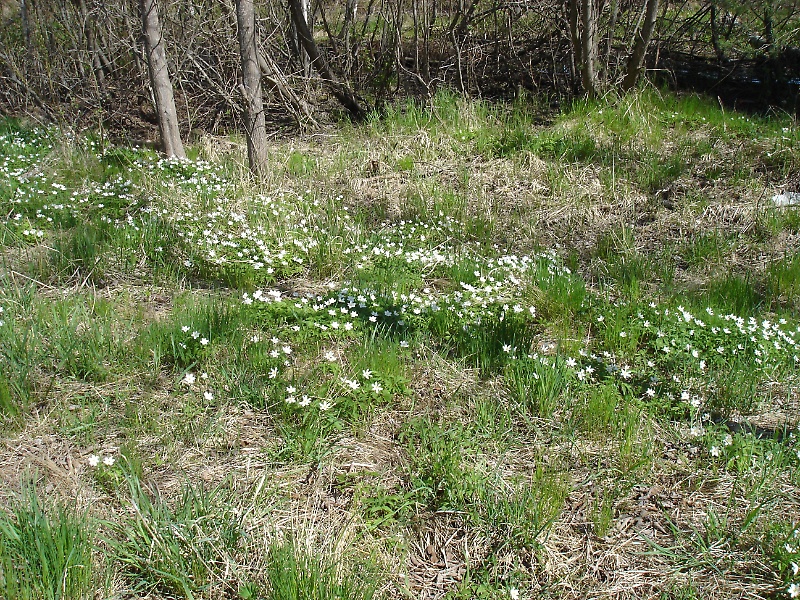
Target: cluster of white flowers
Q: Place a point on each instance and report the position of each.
(189, 379)
(94, 460)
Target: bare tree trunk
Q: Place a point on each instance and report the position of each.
(341, 90)
(255, 126)
(574, 35)
(159, 79)
(89, 27)
(305, 60)
(636, 59)
(612, 25)
(588, 48)
(715, 32)
(769, 36)
(26, 26)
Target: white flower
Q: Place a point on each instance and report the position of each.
(728, 440)
(204, 342)
(330, 356)
(209, 396)
(305, 401)
(794, 590)
(291, 389)
(377, 387)
(94, 460)
(625, 373)
(185, 328)
(109, 461)
(404, 344)
(287, 350)
(651, 393)
(325, 405)
(273, 373)
(506, 348)
(189, 378)
(195, 334)
(513, 593)
(715, 451)
(366, 373)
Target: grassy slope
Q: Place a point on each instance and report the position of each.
(462, 350)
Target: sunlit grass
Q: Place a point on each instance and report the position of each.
(376, 342)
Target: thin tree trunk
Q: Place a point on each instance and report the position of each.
(574, 35)
(341, 90)
(588, 48)
(91, 45)
(769, 36)
(612, 25)
(636, 59)
(715, 32)
(26, 26)
(305, 60)
(159, 79)
(255, 126)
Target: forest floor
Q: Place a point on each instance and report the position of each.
(464, 350)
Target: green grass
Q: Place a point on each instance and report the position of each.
(430, 354)
(180, 551)
(297, 573)
(45, 551)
